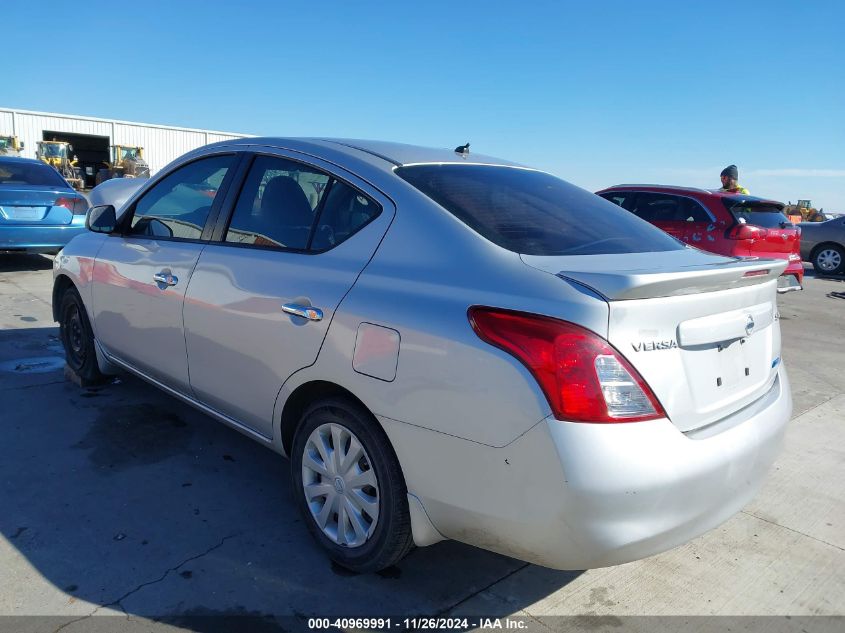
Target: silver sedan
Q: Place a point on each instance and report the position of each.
(445, 345)
(823, 245)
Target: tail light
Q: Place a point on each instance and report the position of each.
(746, 232)
(583, 377)
(77, 206)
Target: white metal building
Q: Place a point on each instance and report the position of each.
(91, 137)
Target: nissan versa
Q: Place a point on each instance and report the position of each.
(447, 346)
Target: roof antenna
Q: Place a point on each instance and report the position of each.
(463, 150)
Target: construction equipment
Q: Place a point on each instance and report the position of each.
(10, 146)
(57, 154)
(126, 162)
(803, 211)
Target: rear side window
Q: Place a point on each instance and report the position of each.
(14, 173)
(534, 213)
(290, 206)
(763, 214)
(277, 205)
(660, 207)
(177, 207)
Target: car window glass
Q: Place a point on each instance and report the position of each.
(624, 199)
(277, 205)
(659, 207)
(29, 173)
(534, 213)
(344, 213)
(692, 211)
(763, 214)
(178, 206)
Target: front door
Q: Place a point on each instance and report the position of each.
(262, 298)
(140, 276)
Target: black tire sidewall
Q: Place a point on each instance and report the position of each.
(88, 370)
(393, 521)
(835, 271)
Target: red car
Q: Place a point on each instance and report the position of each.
(724, 223)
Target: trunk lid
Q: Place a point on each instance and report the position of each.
(702, 330)
(34, 206)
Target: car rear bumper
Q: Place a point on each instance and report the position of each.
(37, 238)
(796, 269)
(578, 496)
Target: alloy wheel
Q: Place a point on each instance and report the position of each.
(340, 485)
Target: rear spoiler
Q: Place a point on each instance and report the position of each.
(632, 284)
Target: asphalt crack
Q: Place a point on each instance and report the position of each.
(40, 384)
(446, 610)
(167, 572)
(799, 532)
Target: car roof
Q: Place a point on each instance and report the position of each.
(388, 154)
(679, 189)
(18, 159)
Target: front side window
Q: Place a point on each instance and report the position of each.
(624, 199)
(290, 206)
(534, 213)
(177, 207)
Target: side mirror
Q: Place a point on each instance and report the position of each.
(101, 219)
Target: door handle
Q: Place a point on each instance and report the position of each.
(306, 312)
(165, 278)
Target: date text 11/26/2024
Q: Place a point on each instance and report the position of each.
(416, 623)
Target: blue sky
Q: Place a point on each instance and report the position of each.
(595, 92)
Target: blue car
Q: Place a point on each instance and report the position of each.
(39, 211)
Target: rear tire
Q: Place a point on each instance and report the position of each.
(829, 259)
(363, 527)
(78, 340)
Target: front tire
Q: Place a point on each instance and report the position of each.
(829, 259)
(349, 486)
(78, 339)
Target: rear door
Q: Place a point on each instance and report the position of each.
(263, 295)
(141, 275)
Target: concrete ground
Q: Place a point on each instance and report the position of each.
(121, 500)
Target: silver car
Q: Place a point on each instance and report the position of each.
(445, 345)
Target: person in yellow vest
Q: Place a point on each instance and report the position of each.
(730, 176)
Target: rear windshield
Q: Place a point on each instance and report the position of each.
(764, 214)
(14, 173)
(533, 213)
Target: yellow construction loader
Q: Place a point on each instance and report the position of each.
(57, 154)
(10, 146)
(126, 162)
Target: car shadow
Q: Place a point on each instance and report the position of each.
(18, 262)
(123, 497)
(812, 274)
